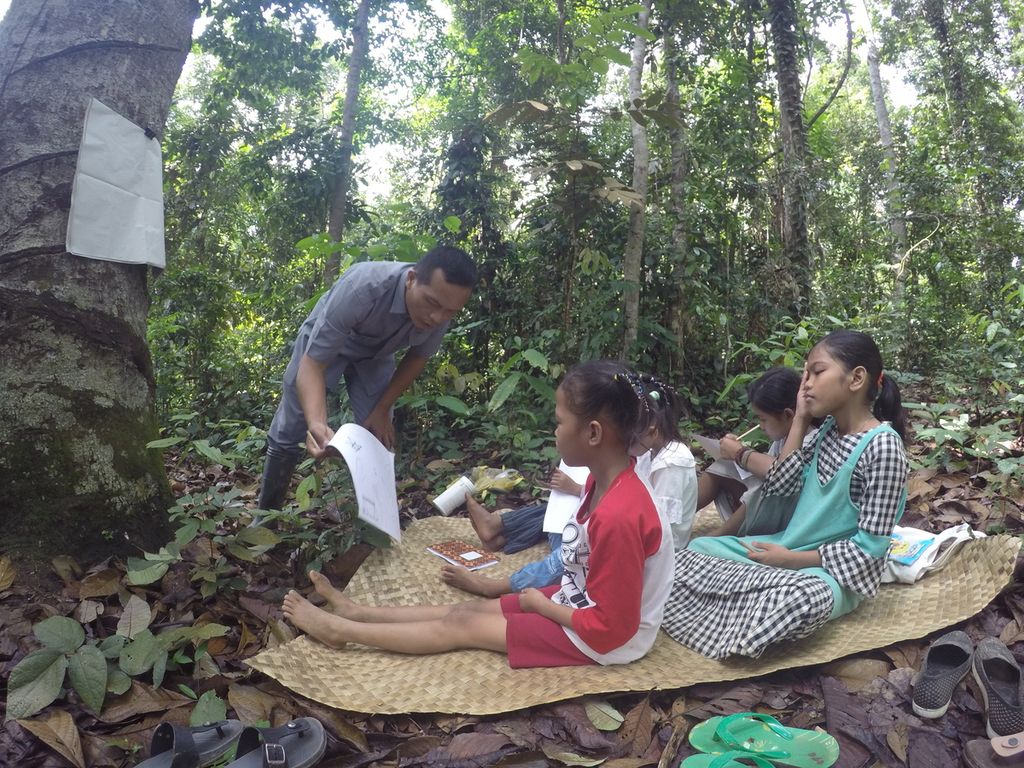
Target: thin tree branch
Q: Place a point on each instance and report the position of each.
(846, 68)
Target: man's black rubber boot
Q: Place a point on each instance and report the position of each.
(277, 474)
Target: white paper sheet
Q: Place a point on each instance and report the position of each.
(561, 506)
(373, 475)
(721, 467)
(730, 469)
(117, 200)
(711, 446)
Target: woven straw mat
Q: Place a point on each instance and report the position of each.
(480, 682)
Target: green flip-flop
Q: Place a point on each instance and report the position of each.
(766, 737)
(726, 760)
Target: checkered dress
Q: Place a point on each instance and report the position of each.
(721, 607)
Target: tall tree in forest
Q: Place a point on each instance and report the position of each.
(343, 176)
(894, 199)
(76, 381)
(634, 252)
(796, 249)
(677, 208)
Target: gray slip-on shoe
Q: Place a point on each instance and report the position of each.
(998, 676)
(946, 663)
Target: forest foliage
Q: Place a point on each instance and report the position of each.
(505, 128)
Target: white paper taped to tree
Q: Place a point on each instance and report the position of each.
(117, 201)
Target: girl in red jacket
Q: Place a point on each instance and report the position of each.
(617, 551)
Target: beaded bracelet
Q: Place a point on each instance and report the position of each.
(742, 455)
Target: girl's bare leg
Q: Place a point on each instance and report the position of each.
(346, 608)
(486, 524)
(707, 489)
(460, 627)
(474, 583)
(710, 486)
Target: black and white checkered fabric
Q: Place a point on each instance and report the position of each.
(720, 607)
(723, 607)
(876, 489)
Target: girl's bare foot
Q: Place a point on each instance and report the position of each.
(316, 622)
(474, 583)
(486, 524)
(336, 599)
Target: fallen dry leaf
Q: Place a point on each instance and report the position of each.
(856, 673)
(637, 729)
(918, 487)
(897, 741)
(135, 617)
(250, 703)
(141, 699)
(280, 633)
(1012, 633)
(470, 748)
(88, 610)
(101, 584)
(59, 733)
(7, 573)
(67, 568)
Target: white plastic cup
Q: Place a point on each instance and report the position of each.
(454, 495)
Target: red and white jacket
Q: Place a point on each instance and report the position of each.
(619, 561)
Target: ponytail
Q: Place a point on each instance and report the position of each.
(889, 406)
(664, 406)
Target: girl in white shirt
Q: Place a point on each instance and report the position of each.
(665, 463)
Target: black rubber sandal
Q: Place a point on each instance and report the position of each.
(298, 744)
(178, 746)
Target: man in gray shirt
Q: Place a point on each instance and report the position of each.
(371, 312)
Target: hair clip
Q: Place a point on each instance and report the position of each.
(633, 380)
(658, 387)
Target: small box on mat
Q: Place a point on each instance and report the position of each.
(460, 553)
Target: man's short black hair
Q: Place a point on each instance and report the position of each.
(455, 263)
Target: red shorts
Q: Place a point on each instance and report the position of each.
(535, 641)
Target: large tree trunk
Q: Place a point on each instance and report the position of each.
(76, 380)
(795, 244)
(678, 213)
(633, 257)
(343, 178)
(894, 197)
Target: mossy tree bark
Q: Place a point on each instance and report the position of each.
(76, 380)
(792, 288)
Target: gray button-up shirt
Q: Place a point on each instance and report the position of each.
(362, 317)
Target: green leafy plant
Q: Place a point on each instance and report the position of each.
(37, 679)
(94, 668)
(227, 442)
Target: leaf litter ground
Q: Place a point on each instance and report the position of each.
(863, 700)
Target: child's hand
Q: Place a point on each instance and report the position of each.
(803, 405)
(562, 482)
(532, 600)
(730, 446)
(767, 553)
